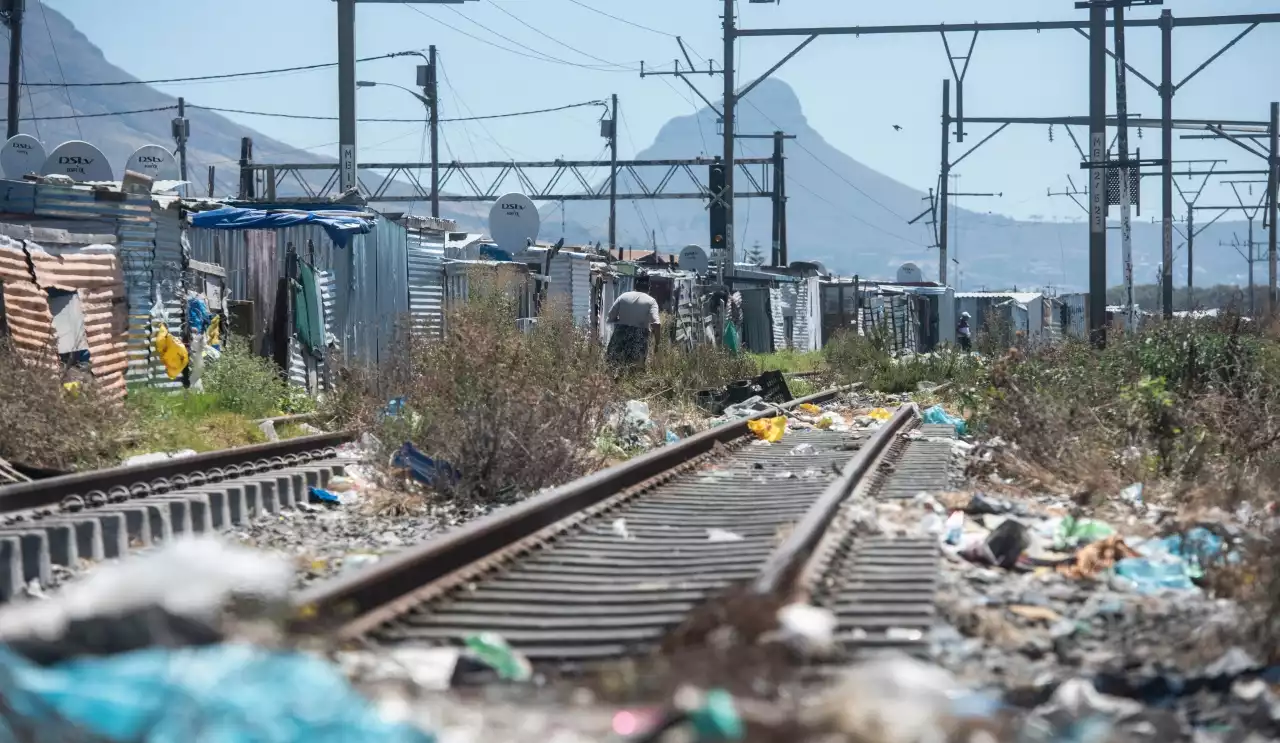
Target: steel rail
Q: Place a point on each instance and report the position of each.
(782, 570)
(353, 603)
(131, 479)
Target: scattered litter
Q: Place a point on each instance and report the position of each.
(424, 469)
(620, 528)
(722, 535)
(491, 649)
(880, 414)
(769, 429)
(1036, 613)
(215, 693)
(810, 408)
(358, 560)
(938, 415)
(824, 423)
(810, 628)
(1094, 559)
(803, 450)
(953, 529)
(671, 437)
(1073, 532)
(320, 495)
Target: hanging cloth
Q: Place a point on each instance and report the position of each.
(308, 315)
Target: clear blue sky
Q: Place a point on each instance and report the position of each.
(853, 90)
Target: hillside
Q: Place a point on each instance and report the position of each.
(839, 211)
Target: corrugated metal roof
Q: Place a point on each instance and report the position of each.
(1019, 297)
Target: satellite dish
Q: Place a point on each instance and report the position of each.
(78, 160)
(153, 161)
(22, 154)
(693, 258)
(910, 273)
(514, 222)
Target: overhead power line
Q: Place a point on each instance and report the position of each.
(622, 20)
(224, 76)
(98, 115)
(553, 39)
(528, 54)
(308, 117)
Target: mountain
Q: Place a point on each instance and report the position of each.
(854, 219)
(839, 211)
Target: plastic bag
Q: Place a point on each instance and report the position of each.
(939, 416)
(880, 414)
(769, 429)
(171, 351)
(730, 337)
(216, 694)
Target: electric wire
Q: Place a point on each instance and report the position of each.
(553, 39)
(223, 76)
(537, 56)
(662, 227)
(453, 92)
(310, 117)
(640, 26)
(53, 45)
(98, 115)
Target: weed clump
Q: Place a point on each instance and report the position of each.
(247, 384)
(44, 424)
(865, 359)
(512, 411)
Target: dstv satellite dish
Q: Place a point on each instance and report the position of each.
(910, 273)
(693, 258)
(514, 222)
(79, 161)
(22, 154)
(153, 161)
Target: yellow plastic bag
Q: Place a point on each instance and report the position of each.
(880, 414)
(212, 332)
(809, 407)
(172, 353)
(769, 429)
(824, 423)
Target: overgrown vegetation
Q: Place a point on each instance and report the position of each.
(1189, 408)
(44, 424)
(855, 358)
(510, 411)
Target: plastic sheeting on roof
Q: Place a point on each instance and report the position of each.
(339, 225)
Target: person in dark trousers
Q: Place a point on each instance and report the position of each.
(635, 320)
(964, 334)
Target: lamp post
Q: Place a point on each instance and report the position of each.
(433, 121)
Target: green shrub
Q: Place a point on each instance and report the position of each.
(243, 382)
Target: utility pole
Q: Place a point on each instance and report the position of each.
(1122, 116)
(432, 91)
(1273, 184)
(14, 20)
(1097, 172)
(211, 173)
(779, 201)
(730, 103)
(346, 95)
(944, 183)
(347, 169)
(182, 130)
(612, 134)
(1166, 176)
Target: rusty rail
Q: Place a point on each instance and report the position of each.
(127, 480)
(360, 600)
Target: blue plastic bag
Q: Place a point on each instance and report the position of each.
(937, 415)
(423, 468)
(1172, 562)
(213, 694)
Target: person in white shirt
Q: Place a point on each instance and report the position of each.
(635, 319)
(964, 334)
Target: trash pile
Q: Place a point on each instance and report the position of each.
(148, 650)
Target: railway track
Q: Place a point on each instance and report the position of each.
(105, 513)
(607, 566)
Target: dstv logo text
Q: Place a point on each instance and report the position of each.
(149, 159)
(511, 207)
(20, 146)
(75, 160)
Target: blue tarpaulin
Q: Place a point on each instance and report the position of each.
(340, 225)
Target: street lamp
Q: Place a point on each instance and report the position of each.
(371, 84)
(427, 77)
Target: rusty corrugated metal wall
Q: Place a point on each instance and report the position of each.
(86, 264)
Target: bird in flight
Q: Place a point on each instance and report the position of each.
(897, 128)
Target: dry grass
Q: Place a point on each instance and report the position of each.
(44, 425)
